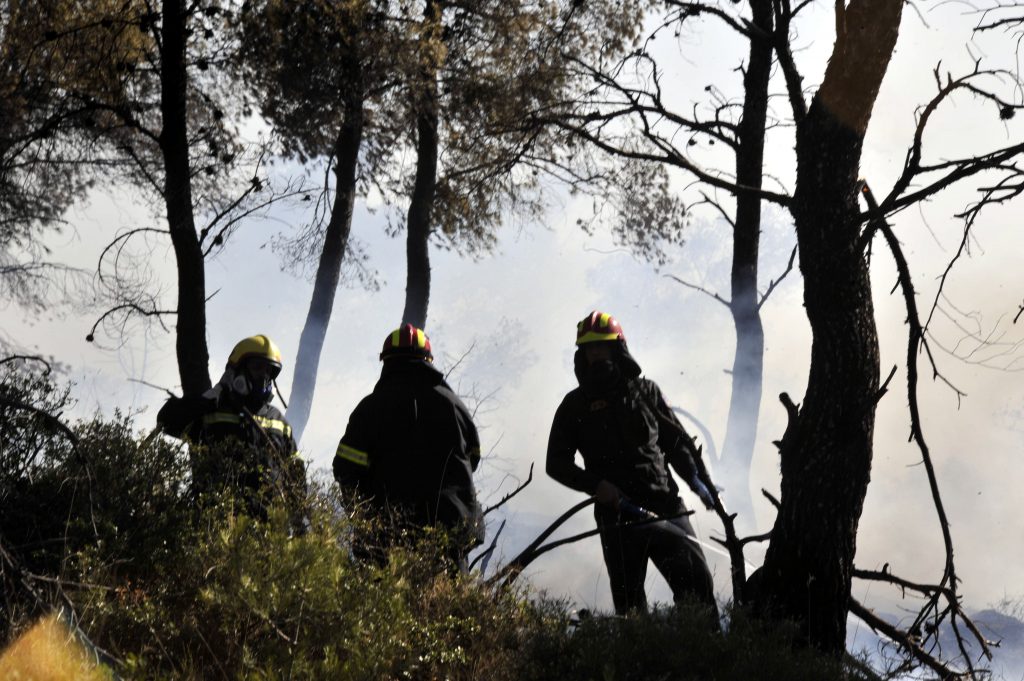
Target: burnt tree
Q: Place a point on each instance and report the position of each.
(827, 448)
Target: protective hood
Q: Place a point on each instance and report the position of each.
(412, 367)
(628, 367)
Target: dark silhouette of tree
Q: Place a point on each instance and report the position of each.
(826, 451)
(367, 84)
(323, 73)
(160, 104)
(487, 69)
(649, 215)
(426, 105)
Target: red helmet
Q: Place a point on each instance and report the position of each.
(597, 327)
(407, 341)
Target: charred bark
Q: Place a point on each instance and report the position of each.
(190, 345)
(748, 364)
(427, 106)
(328, 272)
(826, 452)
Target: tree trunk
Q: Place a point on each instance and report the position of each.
(193, 355)
(827, 448)
(748, 364)
(427, 105)
(328, 271)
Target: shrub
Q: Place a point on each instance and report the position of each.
(173, 589)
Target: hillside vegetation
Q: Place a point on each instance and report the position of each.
(100, 524)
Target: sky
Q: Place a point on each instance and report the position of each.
(514, 312)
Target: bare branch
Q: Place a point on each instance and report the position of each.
(459, 361)
(169, 392)
(885, 384)
(119, 241)
(904, 641)
(31, 358)
(131, 307)
(703, 290)
(772, 284)
(915, 341)
(717, 206)
(514, 568)
(516, 565)
(46, 416)
(781, 43)
(489, 551)
(505, 499)
(688, 9)
(884, 575)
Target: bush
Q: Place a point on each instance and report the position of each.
(248, 599)
(676, 643)
(177, 590)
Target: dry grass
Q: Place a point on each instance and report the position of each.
(49, 651)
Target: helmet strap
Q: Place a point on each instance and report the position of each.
(279, 395)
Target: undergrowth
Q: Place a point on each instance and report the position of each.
(165, 586)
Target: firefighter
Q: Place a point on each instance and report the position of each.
(246, 443)
(410, 450)
(628, 437)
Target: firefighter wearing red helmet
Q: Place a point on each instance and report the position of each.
(411, 448)
(628, 438)
(248, 444)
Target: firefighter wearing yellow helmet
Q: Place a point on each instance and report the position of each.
(247, 444)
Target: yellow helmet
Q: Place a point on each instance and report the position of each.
(256, 346)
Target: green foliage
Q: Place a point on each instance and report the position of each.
(110, 494)
(37, 176)
(247, 599)
(677, 644)
(173, 590)
(308, 62)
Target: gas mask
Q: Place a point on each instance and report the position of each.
(253, 383)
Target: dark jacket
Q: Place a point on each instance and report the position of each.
(266, 455)
(627, 434)
(411, 445)
(211, 421)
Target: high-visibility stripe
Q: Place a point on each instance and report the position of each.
(421, 339)
(396, 338)
(604, 319)
(274, 424)
(265, 423)
(221, 417)
(352, 454)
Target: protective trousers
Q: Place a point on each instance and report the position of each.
(670, 544)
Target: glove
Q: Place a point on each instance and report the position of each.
(607, 494)
(703, 493)
(178, 413)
